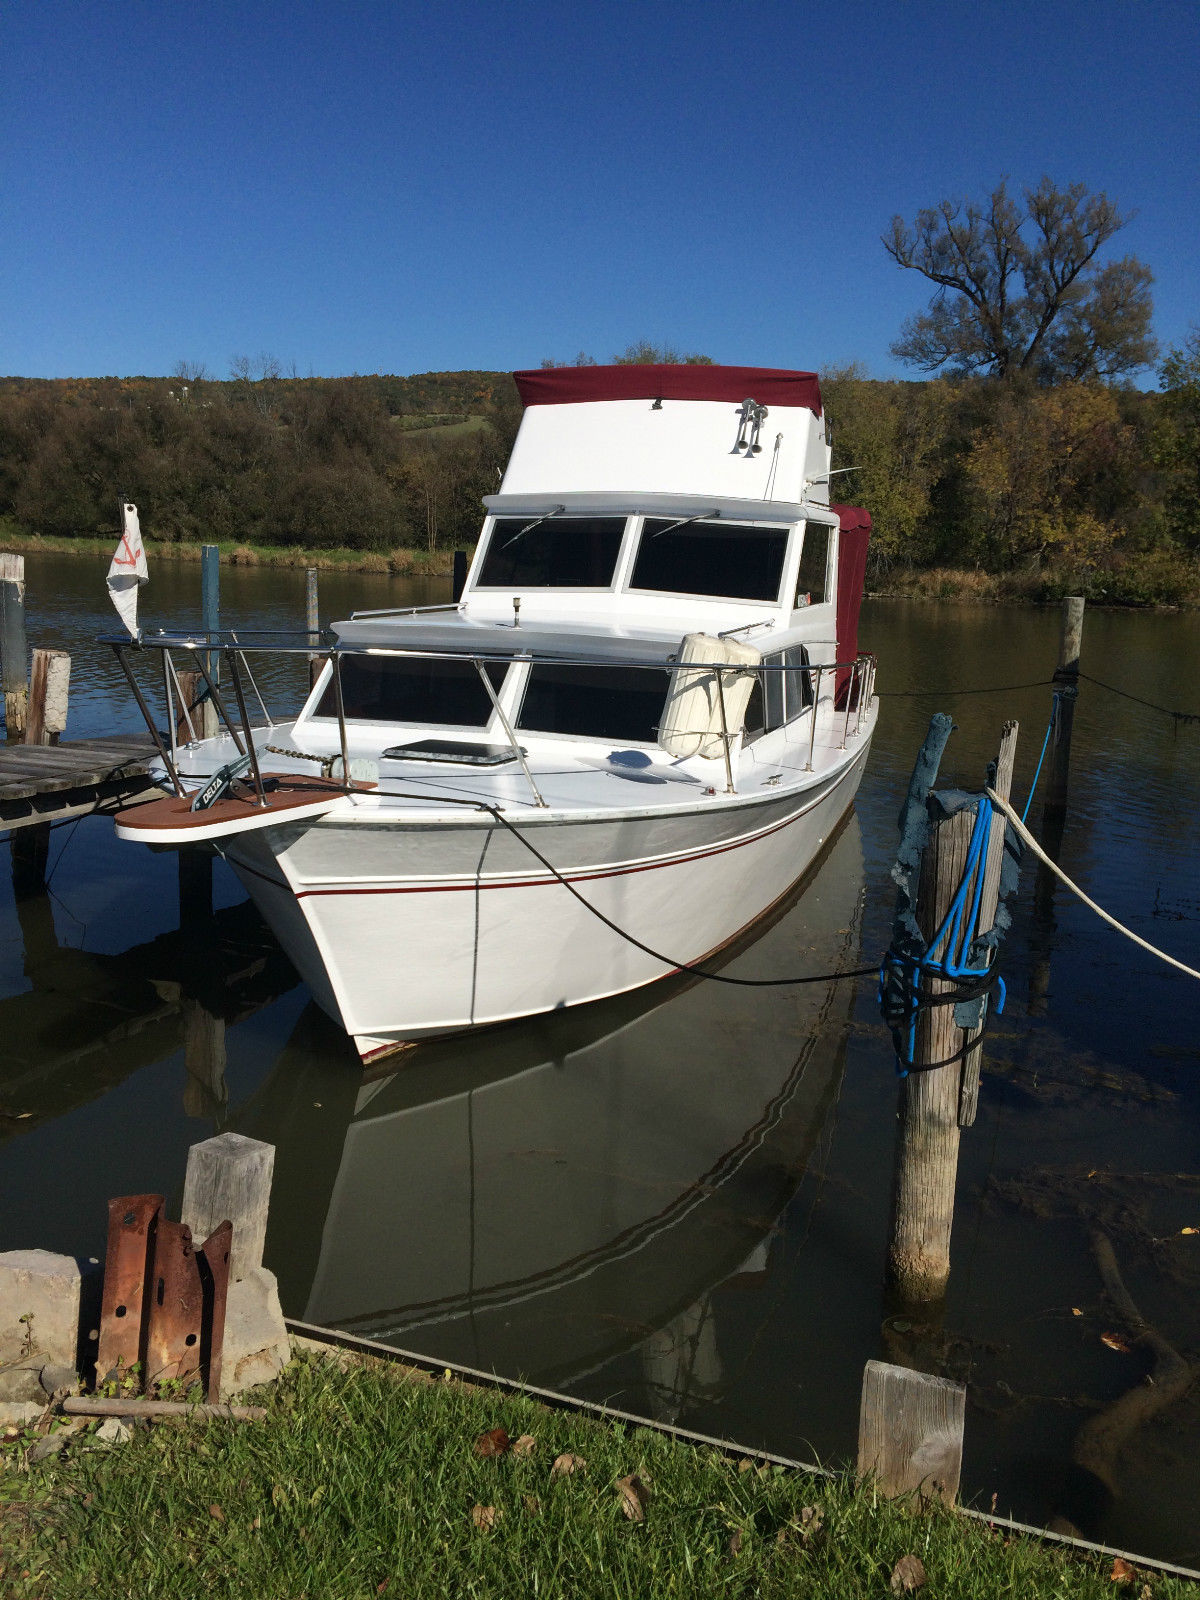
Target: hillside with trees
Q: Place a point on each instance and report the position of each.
(1026, 484)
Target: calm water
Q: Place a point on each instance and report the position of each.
(679, 1201)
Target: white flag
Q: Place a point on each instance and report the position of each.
(127, 571)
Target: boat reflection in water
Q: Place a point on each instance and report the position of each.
(541, 1199)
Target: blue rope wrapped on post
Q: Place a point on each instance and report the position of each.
(959, 955)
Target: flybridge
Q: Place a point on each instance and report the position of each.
(750, 434)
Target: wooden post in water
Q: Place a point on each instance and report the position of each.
(210, 621)
(312, 622)
(49, 687)
(968, 1095)
(1066, 679)
(937, 1101)
(14, 656)
(230, 1177)
(204, 1059)
(910, 1432)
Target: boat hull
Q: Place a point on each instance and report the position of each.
(405, 931)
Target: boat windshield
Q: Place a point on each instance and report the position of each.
(732, 560)
(551, 552)
(619, 703)
(403, 689)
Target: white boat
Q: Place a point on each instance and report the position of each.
(625, 741)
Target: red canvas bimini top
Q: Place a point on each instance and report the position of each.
(770, 386)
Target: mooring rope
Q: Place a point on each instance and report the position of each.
(1029, 839)
(1179, 716)
(904, 976)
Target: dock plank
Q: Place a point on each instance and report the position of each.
(28, 772)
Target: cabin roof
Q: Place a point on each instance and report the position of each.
(770, 386)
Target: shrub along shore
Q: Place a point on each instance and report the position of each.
(1001, 488)
(369, 1479)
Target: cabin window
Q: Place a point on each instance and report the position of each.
(797, 681)
(619, 703)
(772, 682)
(812, 585)
(403, 689)
(552, 553)
(729, 559)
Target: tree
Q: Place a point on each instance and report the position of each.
(1177, 440)
(1019, 289)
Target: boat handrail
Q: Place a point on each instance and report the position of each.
(207, 651)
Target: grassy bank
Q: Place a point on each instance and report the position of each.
(368, 1481)
(403, 562)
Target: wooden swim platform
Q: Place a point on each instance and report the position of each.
(49, 783)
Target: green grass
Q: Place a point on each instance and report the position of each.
(404, 561)
(362, 1483)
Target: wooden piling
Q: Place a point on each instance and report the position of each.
(14, 656)
(49, 687)
(30, 851)
(312, 611)
(928, 1134)
(204, 1060)
(1066, 679)
(968, 1095)
(210, 621)
(229, 1177)
(189, 727)
(910, 1432)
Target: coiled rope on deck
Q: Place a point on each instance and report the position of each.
(1105, 916)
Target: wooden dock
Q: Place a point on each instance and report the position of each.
(50, 783)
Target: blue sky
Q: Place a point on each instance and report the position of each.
(390, 187)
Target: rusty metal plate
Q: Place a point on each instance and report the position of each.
(214, 1274)
(175, 1306)
(132, 1226)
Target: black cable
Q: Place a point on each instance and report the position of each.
(679, 966)
(1180, 716)
(946, 693)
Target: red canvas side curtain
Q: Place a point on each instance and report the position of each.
(852, 571)
(770, 386)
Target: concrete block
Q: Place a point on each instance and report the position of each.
(19, 1413)
(256, 1342)
(39, 1318)
(114, 1431)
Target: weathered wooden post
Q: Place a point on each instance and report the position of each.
(936, 1101)
(14, 656)
(30, 850)
(1066, 679)
(189, 726)
(230, 1177)
(210, 621)
(910, 1432)
(313, 623)
(49, 687)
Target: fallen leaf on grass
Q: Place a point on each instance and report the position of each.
(567, 1463)
(805, 1529)
(525, 1445)
(532, 1504)
(485, 1517)
(908, 1574)
(216, 1513)
(1116, 1341)
(1122, 1572)
(492, 1443)
(736, 1541)
(745, 1464)
(635, 1496)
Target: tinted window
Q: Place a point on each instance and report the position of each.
(812, 586)
(620, 703)
(559, 553)
(718, 558)
(395, 689)
(797, 682)
(773, 692)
